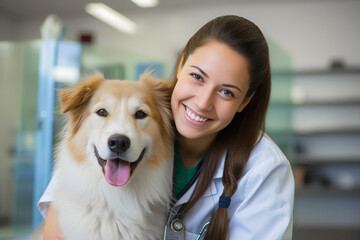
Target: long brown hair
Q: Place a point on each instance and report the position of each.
(240, 137)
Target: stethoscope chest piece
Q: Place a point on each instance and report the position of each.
(177, 225)
(175, 230)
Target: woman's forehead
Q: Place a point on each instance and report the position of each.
(219, 60)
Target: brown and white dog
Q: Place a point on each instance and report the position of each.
(115, 160)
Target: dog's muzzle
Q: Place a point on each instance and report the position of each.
(117, 170)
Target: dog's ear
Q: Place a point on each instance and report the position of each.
(158, 86)
(161, 90)
(80, 94)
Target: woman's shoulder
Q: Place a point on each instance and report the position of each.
(268, 165)
(266, 154)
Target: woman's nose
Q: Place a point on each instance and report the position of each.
(205, 99)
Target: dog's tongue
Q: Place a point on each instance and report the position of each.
(117, 172)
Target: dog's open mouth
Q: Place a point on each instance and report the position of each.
(118, 171)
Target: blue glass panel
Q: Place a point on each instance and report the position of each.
(53, 54)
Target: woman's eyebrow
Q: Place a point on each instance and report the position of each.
(232, 86)
(225, 85)
(204, 73)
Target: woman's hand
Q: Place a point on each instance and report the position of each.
(51, 226)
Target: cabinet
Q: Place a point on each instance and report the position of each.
(321, 136)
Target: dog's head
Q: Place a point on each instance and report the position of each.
(118, 124)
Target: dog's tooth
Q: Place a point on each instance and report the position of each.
(197, 118)
(193, 116)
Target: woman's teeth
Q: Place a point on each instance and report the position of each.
(194, 117)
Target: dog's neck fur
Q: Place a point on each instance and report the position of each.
(109, 201)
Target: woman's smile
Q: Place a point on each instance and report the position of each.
(195, 118)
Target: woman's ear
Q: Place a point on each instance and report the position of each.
(245, 102)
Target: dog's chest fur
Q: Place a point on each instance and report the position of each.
(90, 208)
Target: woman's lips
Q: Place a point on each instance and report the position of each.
(194, 118)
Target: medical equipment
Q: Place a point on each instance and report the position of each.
(175, 227)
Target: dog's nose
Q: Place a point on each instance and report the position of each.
(118, 143)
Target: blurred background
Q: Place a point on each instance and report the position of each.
(314, 114)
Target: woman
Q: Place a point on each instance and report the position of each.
(244, 185)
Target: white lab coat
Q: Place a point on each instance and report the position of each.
(262, 206)
(260, 209)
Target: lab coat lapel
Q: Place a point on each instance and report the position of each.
(212, 190)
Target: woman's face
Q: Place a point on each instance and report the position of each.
(211, 88)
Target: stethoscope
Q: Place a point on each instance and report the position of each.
(175, 227)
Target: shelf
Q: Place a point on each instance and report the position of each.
(316, 160)
(340, 102)
(314, 103)
(318, 190)
(325, 233)
(333, 131)
(326, 158)
(329, 131)
(327, 72)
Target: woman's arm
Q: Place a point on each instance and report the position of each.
(51, 227)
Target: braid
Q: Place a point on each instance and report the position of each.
(219, 224)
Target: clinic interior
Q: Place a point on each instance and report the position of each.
(314, 113)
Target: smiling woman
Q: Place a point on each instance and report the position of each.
(220, 95)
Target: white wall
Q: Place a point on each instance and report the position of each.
(8, 29)
(9, 118)
(314, 33)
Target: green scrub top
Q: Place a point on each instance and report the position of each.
(183, 175)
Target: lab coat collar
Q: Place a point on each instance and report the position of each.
(210, 191)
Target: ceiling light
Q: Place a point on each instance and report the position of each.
(146, 3)
(111, 17)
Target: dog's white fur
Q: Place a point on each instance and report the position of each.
(88, 206)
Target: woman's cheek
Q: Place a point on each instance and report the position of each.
(184, 86)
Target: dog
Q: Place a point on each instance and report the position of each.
(115, 159)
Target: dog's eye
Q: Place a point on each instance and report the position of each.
(102, 112)
(140, 114)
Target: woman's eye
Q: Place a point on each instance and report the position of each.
(140, 114)
(102, 112)
(196, 76)
(227, 93)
